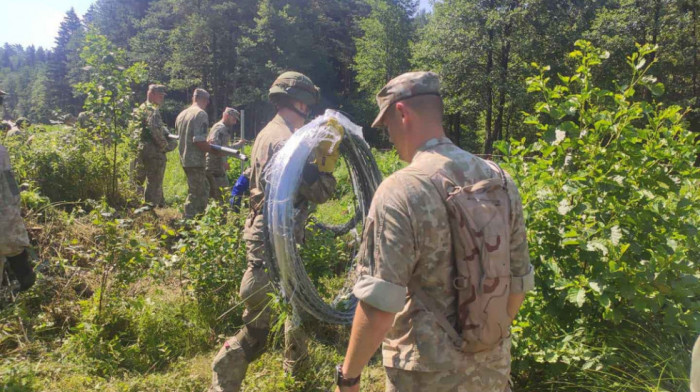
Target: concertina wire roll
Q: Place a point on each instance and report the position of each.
(283, 179)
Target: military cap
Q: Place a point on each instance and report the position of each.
(233, 112)
(201, 93)
(408, 85)
(157, 88)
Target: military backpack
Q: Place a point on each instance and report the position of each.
(480, 224)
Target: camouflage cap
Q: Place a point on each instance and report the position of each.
(405, 86)
(233, 112)
(201, 93)
(157, 88)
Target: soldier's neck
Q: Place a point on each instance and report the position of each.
(292, 118)
(417, 137)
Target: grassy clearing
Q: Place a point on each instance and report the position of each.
(170, 297)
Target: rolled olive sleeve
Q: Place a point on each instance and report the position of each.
(381, 294)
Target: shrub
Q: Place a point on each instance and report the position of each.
(611, 198)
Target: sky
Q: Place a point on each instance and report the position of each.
(35, 22)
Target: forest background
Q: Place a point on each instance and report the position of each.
(592, 106)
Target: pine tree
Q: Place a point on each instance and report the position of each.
(64, 65)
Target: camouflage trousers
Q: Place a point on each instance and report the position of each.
(486, 372)
(231, 362)
(197, 191)
(151, 170)
(216, 182)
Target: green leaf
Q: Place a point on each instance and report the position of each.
(657, 89)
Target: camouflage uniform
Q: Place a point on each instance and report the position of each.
(407, 239)
(192, 125)
(13, 235)
(231, 363)
(153, 144)
(220, 135)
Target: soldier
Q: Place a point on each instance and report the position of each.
(292, 94)
(411, 296)
(153, 144)
(14, 240)
(192, 126)
(217, 165)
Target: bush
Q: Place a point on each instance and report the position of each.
(210, 256)
(64, 163)
(611, 198)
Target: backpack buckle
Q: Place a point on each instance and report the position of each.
(460, 283)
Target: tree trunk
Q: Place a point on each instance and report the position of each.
(502, 89)
(488, 143)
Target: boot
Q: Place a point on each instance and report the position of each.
(295, 341)
(229, 368)
(22, 269)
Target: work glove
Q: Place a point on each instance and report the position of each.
(328, 150)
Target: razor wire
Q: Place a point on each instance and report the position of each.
(283, 180)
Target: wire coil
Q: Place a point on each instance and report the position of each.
(284, 177)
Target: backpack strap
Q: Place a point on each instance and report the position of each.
(505, 187)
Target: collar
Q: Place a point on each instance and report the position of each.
(280, 120)
(434, 142)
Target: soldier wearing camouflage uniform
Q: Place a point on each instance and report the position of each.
(217, 164)
(192, 126)
(14, 240)
(153, 144)
(293, 94)
(407, 256)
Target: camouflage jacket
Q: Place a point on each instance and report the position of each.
(407, 240)
(220, 135)
(13, 233)
(148, 128)
(192, 125)
(315, 187)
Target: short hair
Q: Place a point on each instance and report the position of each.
(200, 93)
(428, 106)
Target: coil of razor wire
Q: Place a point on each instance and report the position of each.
(284, 177)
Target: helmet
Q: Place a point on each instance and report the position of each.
(23, 122)
(295, 85)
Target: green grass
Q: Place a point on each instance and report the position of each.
(174, 181)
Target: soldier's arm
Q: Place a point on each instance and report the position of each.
(239, 144)
(200, 133)
(369, 327)
(388, 245)
(156, 125)
(316, 186)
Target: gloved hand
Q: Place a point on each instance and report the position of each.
(328, 150)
